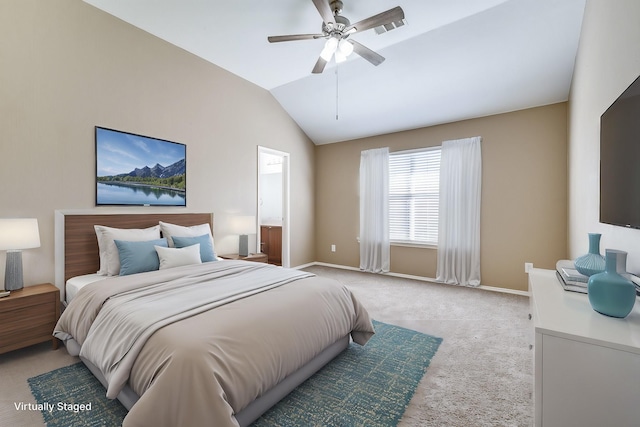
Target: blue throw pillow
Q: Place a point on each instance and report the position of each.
(207, 252)
(138, 257)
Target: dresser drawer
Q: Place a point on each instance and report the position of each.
(34, 315)
(33, 300)
(19, 338)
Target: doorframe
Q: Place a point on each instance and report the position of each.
(286, 188)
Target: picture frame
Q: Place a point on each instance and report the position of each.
(137, 170)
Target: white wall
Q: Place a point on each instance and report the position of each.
(608, 61)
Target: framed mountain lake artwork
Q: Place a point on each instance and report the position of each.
(138, 170)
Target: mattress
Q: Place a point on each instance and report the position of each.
(76, 283)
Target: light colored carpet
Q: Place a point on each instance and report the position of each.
(15, 368)
(480, 376)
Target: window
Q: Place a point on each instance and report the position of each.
(414, 193)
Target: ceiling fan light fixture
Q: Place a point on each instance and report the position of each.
(329, 48)
(336, 29)
(332, 43)
(345, 48)
(326, 54)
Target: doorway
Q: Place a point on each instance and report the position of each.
(273, 205)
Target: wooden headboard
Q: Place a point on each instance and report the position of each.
(81, 245)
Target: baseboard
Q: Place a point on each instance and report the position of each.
(504, 290)
(342, 267)
(300, 267)
(420, 278)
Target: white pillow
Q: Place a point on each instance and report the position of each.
(169, 230)
(109, 257)
(176, 257)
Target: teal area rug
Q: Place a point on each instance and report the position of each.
(364, 386)
(75, 385)
(368, 386)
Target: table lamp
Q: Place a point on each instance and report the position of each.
(244, 225)
(17, 234)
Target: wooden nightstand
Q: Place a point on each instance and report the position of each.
(28, 316)
(251, 257)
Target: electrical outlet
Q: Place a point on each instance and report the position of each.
(333, 248)
(528, 266)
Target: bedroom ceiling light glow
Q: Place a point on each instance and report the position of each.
(342, 49)
(329, 48)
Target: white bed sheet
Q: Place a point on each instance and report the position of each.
(74, 284)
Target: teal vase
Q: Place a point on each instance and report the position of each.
(591, 263)
(609, 292)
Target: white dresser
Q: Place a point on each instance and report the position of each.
(587, 365)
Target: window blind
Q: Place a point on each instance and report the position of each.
(414, 193)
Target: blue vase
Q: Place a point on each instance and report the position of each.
(591, 263)
(610, 293)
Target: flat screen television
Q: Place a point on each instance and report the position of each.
(139, 170)
(620, 160)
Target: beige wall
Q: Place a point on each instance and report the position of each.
(67, 67)
(607, 63)
(524, 193)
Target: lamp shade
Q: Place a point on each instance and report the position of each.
(19, 233)
(345, 47)
(243, 224)
(329, 48)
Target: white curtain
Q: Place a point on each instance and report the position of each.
(459, 213)
(374, 210)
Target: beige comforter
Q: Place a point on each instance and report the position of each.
(199, 365)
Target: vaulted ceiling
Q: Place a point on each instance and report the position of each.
(453, 60)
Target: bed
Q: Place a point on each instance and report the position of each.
(216, 343)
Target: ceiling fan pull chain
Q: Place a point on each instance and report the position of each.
(336, 92)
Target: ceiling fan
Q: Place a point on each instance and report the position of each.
(337, 29)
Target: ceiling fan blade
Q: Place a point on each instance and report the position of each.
(319, 67)
(391, 15)
(325, 11)
(366, 53)
(293, 37)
